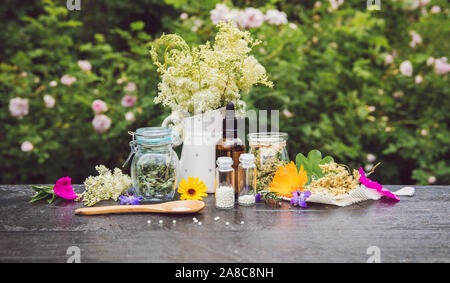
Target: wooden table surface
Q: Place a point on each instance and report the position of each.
(416, 229)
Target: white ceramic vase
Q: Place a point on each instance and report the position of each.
(200, 135)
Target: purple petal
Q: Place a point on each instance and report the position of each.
(258, 197)
(307, 194)
(302, 203)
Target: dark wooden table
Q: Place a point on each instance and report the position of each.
(416, 229)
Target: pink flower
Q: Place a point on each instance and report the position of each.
(18, 107)
(251, 18)
(432, 180)
(435, 9)
(418, 79)
(68, 80)
(374, 185)
(128, 100)
(219, 13)
(184, 16)
(26, 146)
(317, 4)
(49, 101)
(336, 3)
(130, 87)
(416, 38)
(53, 83)
(275, 17)
(129, 116)
(406, 68)
(99, 106)
(441, 66)
(63, 188)
(389, 59)
(371, 157)
(85, 65)
(430, 61)
(424, 132)
(101, 123)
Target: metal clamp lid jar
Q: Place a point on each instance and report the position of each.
(154, 168)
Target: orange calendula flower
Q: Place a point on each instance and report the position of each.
(288, 179)
(192, 189)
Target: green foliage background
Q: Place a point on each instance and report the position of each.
(327, 72)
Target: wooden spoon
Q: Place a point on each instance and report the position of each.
(175, 207)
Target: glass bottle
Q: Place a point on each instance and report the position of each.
(247, 179)
(230, 145)
(224, 195)
(154, 168)
(270, 153)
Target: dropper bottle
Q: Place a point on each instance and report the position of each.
(230, 145)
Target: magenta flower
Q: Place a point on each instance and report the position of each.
(300, 198)
(63, 188)
(129, 200)
(258, 198)
(375, 185)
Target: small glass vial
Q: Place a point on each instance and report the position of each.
(247, 179)
(224, 183)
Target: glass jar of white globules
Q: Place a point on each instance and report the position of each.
(247, 179)
(224, 183)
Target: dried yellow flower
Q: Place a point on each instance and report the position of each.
(337, 180)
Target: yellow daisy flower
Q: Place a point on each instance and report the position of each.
(192, 189)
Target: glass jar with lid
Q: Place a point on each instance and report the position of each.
(224, 195)
(269, 149)
(247, 179)
(154, 168)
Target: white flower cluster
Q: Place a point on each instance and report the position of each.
(207, 77)
(105, 186)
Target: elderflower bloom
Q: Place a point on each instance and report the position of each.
(207, 77)
(105, 186)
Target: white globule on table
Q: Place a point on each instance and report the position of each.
(225, 197)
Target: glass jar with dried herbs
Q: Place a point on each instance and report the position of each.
(269, 149)
(155, 165)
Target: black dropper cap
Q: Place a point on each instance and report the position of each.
(230, 122)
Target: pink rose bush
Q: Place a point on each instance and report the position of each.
(441, 66)
(130, 87)
(406, 68)
(18, 107)
(249, 17)
(275, 17)
(49, 101)
(101, 123)
(84, 65)
(99, 106)
(27, 146)
(129, 101)
(68, 80)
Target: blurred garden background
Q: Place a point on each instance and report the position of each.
(363, 85)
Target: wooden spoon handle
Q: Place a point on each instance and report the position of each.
(118, 209)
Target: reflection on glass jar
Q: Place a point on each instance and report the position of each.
(270, 153)
(155, 165)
